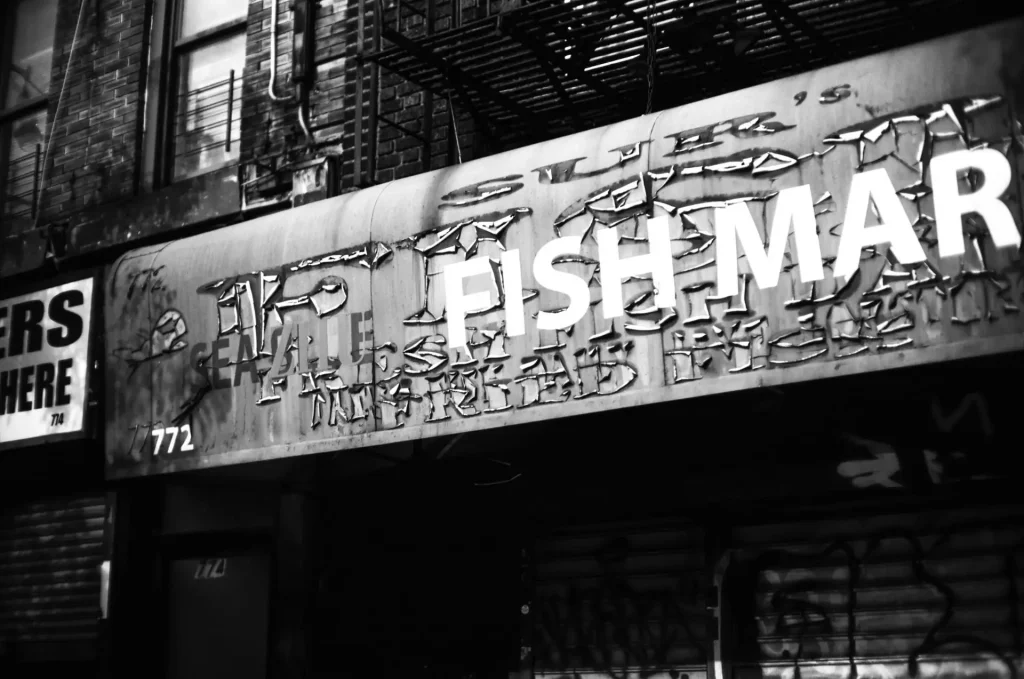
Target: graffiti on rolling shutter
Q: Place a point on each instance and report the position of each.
(621, 607)
(896, 601)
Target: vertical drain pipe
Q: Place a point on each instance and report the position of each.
(371, 160)
(273, 55)
(303, 59)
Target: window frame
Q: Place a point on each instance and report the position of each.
(175, 48)
(39, 103)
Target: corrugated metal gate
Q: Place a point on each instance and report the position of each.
(621, 600)
(934, 594)
(50, 553)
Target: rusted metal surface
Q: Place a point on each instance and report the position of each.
(202, 332)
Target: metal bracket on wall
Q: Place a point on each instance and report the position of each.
(265, 184)
(276, 183)
(314, 180)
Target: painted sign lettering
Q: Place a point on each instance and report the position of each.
(656, 259)
(734, 225)
(44, 355)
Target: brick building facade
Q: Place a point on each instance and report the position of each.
(102, 182)
(107, 174)
(126, 124)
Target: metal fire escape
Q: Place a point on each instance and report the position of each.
(528, 70)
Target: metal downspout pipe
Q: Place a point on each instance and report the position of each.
(273, 56)
(303, 110)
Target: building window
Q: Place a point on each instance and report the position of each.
(26, 57)
(208, 56)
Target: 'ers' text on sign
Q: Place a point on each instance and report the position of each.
(44, 353)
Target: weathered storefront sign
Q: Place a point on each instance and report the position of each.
(861, 217)
(45, 338)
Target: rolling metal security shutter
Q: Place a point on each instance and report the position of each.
(929, 595)
(50, 553)
(621, 600)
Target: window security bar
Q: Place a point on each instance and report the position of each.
(208, 120)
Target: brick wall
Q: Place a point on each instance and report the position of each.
(92, 187)
(273, 141)
(272, 136)
(271, 128)
(327, 103)
(96, 125)
(95, 129)
(422, 115)
(350, 33)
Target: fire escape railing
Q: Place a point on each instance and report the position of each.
(21, 190)
(528, 70)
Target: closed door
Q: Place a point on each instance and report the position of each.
(217, 611)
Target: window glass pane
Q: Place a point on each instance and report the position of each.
(203, 140)
(25, 138)
(31, 50)
(199, 15)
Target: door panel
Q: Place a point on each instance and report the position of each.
(217, 617)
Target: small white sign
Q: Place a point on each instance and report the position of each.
(104, 589)
(44, 361)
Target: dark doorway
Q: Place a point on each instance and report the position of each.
(217, 616)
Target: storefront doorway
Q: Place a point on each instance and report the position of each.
(217, 616)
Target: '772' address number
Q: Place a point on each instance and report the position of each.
(172, 436)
